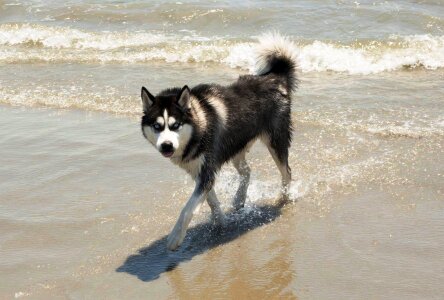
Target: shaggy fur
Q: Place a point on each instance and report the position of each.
(202, 128)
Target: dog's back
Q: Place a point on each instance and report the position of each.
(255, 106)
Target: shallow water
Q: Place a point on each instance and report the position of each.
(86, 203)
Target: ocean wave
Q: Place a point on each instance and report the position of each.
(28, 43)
(73, 97)
(396, 124)
(405, 131)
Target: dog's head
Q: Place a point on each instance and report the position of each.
(167, 120)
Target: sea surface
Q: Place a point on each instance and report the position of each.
(86, 203)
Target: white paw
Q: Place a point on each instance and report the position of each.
(175, 238)
(239, 199)
(285, 198)
(220, 220)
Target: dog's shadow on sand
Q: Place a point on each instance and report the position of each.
(155, 259)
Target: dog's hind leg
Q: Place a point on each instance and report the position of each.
(279, 152)
(243, 169)
(216, 211)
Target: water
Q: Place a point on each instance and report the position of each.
(357, 38)
(85, 202)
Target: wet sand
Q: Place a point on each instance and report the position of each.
(86, 203)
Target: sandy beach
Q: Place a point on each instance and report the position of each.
(86, 203)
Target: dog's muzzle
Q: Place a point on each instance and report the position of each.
(167, 149)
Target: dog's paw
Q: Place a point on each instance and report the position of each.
(239, 200)
(238, 205)
(175, 239)
(285, 198)
(220, 220)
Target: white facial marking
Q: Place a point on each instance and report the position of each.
(171, 121)
(165, 115)
(160, 120)
(167, 135)
(178, 138)
(184, 135)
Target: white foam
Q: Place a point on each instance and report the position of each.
(258, 190)
(65, 37)
(410, 51)
(26, 43)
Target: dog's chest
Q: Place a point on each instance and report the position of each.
(192, 167)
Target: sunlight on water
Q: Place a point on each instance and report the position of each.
(86, 203)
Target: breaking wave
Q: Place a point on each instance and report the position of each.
(28, 43)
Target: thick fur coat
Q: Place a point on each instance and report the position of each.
(202, 128)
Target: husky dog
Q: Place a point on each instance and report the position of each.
(202, 128)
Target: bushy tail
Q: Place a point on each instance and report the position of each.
(276, 54)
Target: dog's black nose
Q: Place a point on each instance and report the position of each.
(166, 147)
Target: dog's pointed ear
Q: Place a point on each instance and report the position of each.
(147, 99)
(184, 98)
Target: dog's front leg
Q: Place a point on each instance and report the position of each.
(178, 233)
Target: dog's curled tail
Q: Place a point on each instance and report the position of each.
(276, 54)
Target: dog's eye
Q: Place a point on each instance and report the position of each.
(175, 126)
(157, 126)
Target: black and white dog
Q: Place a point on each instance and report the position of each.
(202, 128)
